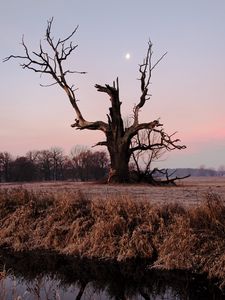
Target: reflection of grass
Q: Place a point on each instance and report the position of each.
(3, 273)
(8, 288)
(120, 229)
(39, 288)
(3, 291)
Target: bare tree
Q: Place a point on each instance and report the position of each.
(88, 165)
(57, 162)
(221, 170)
(23, 169)
(117, 136)
(32, 155)
(5, 166)
(45, 164)
(149, 146)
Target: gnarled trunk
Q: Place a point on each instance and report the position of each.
(119, 156)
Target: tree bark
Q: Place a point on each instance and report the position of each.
(119, 156)
(117, 141)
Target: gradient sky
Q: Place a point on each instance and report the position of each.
(188, 86)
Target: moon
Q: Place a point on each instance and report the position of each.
(127, 56)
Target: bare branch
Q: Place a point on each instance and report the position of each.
(165, 142)
(158, 61)
(133, 130)
(98, 125)
(52, 64)
(149, 145)
(146, 71)
(111, 91)
(48, 85)
(168, 179)
(104, 143)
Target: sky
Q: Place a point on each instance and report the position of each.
(187, 87)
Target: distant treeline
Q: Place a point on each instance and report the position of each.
(81, 165)
(202, 171)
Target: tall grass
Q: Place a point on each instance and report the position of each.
(119, 229)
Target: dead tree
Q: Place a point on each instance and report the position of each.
(149, 146)
(117, 137)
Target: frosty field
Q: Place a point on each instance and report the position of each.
(190, 191)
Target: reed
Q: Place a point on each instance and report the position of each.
(118, 229)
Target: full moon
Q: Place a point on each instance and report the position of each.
(127, 56)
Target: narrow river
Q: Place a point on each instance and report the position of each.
(49, 276)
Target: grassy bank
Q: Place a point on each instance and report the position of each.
(119, 229)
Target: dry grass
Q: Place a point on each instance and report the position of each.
(196, 240)
(190, 191)
(119, 229)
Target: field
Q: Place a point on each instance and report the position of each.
(190, 191)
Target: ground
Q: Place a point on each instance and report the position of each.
(190, 191)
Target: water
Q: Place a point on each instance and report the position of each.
(48, 288)
(48, 276)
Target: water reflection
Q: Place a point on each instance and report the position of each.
(49, 276)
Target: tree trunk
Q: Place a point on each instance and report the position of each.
(119, 156)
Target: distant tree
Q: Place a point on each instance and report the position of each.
(100, 164)
(221, 170)
(5, 166)
(52, 62)
(67, 169)
(32, 156)
(76, 164)
(45, 164)
(23, 169)
(88, 165)
(85, 163)
(57, 163)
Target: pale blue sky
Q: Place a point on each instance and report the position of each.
(188, 87)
